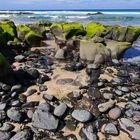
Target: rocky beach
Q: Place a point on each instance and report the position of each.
(69, 81)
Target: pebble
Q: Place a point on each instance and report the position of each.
(44, 107)
(44, 120)
(60, 54)
(48, 97)
(31, 92)
(22, 135)
(43, 78)
(60, 110)
(108, 96)
(17, 88)
(81, 115)
(111, 129)
(115, 113)
(105, 106)
(5, 135)
(19, 58)
(14, 114)
(88, 133)
(43, 88)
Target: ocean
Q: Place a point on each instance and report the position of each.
(111, 17)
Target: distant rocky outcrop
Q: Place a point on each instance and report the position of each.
(97, 13)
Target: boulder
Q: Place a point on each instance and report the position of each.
(33, 39)
(117, 48)
(44, 120)
(92, 28)
(6, 72)
(89, 50)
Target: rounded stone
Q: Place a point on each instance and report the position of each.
(60, 110)
(81, 115)
(115, 113)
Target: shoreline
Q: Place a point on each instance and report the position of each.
(67, 81)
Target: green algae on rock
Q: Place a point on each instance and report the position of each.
(92, 28)
(33, 39)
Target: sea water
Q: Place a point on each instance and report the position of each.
(109, 17)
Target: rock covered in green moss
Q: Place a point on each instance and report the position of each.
(122, 34)
(92, 28)
(7, 31)
(33, 39)
(69, 29)
(31, 34)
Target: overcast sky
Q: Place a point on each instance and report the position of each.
(68, 4)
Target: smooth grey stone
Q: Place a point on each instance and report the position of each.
(44, 120)
(22, 135)
(87, 133)
(19, 58)
(5, 135)
(44, 107)
(111, 129)
(48, 97)
(2, 106)
(14, 114)
(60, 110)
(81, 115)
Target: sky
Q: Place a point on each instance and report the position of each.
(68, 4)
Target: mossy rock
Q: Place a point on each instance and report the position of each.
(33, 39)
(132, 33)
(22, 31)
(45, 23)
(92, 28)
(75, 32)
(69, 29)
(69, 26)
(39, 29)
(7, 31)
(9, 27)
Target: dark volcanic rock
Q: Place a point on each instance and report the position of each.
(43, 78)
(32, 73)
(44, 120)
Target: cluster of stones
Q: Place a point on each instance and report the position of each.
(102, 105)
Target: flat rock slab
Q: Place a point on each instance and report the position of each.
(44, 120)
(132, 129)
